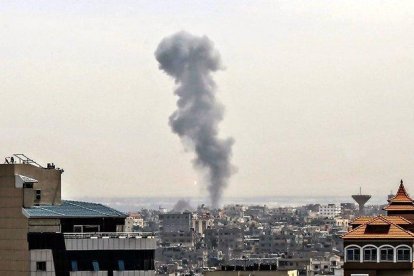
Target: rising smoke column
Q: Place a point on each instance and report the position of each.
(190, 60)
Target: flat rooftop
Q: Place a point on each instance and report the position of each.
(72, 209)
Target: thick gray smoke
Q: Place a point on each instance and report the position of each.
(190, 60)
(181, 206)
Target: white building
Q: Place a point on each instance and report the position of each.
(329, 210)
(133, 221)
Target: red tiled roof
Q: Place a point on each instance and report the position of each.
(379, 227)
(394, 219)
(399, 208)
(401, 195)
(401, 201)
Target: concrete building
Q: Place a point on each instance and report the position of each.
(178, 238)
(175, 222)
(41, 234)
(201, 223)
(329, 210)
(325, 266)
(176, 229)
(225, 238)
(133, 221)
(271, 243)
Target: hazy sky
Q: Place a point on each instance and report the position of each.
(319, 95)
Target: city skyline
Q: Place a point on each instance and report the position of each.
(318, 95)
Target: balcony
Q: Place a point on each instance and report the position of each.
(107, 235)
(110, 241)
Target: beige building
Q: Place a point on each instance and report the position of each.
(43, 235)
(23, 185)
(134, 220)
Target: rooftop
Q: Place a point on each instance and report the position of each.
(72, 209)
(380, 227)
(394, 219)
(401, 201)
(401, 195)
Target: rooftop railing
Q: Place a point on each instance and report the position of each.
(110, 235)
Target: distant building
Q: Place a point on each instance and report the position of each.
(177, 229)
(272, 244)
(133, 221)
(325, 266)
(329, 210)
(41, 234)
(234, 210)
(225, 239)
(175, 222)
(182, 238)
(201, 222)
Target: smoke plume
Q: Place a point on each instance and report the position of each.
(190, 60)
(181, 206)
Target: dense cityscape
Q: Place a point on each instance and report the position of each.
(306, 239)
(66, 236)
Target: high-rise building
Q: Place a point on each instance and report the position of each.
(41, 234)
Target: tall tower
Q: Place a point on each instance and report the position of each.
(361, 200)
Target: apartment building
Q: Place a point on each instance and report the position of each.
(329, 210)
(41, 234)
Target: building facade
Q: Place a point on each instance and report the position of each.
(382, 245)
(41, 234)
(175, 222)
(329, 210)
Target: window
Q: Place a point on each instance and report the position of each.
(121, 265)
(387, 254)
(77, 228)
(40, 266)
(91, 228)
(95, 265)
(86, 228)
(353, 254)
(403, 254)
(370, 254)
(74, 265)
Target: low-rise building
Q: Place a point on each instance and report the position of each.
(134, 221)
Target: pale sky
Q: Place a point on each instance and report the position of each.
(319, 95)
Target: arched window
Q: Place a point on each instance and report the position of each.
(353, 254)
(387, 253)
(404, 253)
(370, 253)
